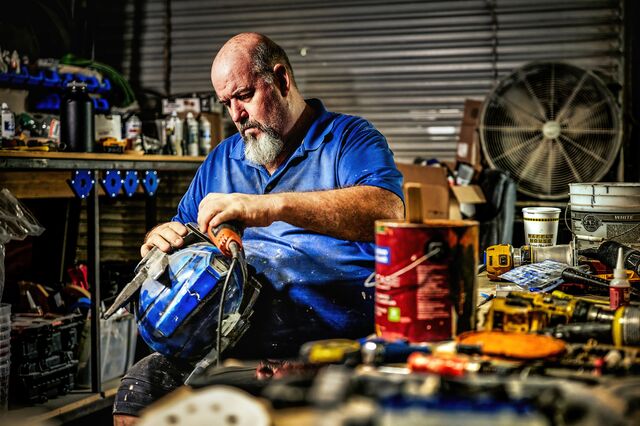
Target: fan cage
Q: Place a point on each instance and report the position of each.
(550, 124)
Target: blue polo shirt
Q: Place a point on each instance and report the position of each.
(313, 284)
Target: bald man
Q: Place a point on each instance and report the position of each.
(308, 184)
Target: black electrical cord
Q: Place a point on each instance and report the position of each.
(234, 261)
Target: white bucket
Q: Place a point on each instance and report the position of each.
(604, 211)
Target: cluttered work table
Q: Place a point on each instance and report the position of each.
(558, 357)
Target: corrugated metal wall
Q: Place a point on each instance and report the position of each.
(405, 65)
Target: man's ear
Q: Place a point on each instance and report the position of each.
(282, 79)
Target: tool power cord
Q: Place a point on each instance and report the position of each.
(238, 258)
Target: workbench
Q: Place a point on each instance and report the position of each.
(38, 175)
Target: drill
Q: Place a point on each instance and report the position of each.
(501, 258)
(564, 317)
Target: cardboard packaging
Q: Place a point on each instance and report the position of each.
(439, 200)
(468, 148)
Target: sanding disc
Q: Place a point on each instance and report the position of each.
(513, 345)
(216, 405)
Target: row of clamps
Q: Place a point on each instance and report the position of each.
(52, 102)
(51, 78)
(113, 182)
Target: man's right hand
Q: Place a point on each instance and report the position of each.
(165, 236)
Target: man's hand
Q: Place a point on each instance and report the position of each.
(165, 236)
(347, 213)
(250, 210)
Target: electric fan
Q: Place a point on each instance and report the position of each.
(550, 124)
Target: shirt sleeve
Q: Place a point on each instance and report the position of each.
(366, 159)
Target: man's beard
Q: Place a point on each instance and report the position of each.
(264, 149)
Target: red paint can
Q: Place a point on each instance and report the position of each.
(425, 279)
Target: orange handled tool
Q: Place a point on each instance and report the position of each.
(227, 237)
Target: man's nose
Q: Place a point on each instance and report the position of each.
(238, 113)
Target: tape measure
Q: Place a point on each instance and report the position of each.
(330, 351)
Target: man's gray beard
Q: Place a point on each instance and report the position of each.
(264, 149)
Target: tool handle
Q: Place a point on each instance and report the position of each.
(573, 275)
(225, 236)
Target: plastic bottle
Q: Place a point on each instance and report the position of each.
(133, 132)
(191, 135)
(205, 135)
(619, 287)
(174, 134)
(8, 130)
(76, 119)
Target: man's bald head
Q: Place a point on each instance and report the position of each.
(256, 50)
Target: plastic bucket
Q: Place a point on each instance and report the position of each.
(605, 211)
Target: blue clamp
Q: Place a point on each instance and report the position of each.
(22, 77)
(81, 183)
(105, 86)
(36, 79)
(112, 183)
(51, 78)
(150, 182)
(92, 83)
(131, 182)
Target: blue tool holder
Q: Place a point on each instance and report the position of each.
(150, 182)
(81, 183)
(112, 183)
(131, 182)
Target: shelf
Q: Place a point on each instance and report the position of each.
(76, 404)
(21, 160)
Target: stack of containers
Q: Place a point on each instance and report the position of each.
(5, 353)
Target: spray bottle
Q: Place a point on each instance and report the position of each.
(619, 287)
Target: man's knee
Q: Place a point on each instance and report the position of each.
(147, 381)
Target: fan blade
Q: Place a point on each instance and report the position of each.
(569, 163)
(524, 118)
(583, 149)
(519, 146)
(567, 103)
(533, 97)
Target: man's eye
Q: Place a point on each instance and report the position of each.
(245, 96)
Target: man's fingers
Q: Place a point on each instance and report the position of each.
(165, 237)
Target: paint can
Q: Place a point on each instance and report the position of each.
(425, 279)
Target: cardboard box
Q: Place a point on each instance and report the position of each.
(439, 200)
(468, 148)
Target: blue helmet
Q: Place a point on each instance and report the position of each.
(179, 300)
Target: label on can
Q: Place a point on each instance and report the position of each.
(382, 255)
(619, 296)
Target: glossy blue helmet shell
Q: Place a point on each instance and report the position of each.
(178, 311)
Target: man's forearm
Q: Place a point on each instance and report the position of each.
(347, 213)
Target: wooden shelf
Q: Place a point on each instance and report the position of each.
(62, 409)
(22, 160)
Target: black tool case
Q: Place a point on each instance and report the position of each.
(43, 355)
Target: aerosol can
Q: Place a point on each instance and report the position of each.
(504, 257)
(174, 133)
(205, 135)
(133, 132)
(191, 135)
(8, 130)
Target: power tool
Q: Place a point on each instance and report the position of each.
(502, 258)
(565, 317)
